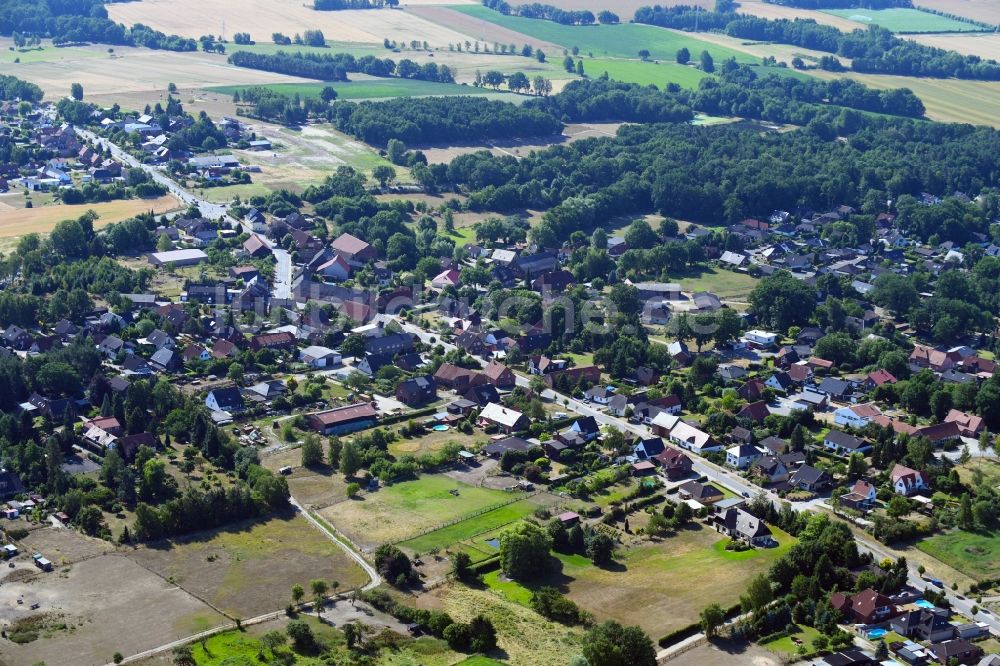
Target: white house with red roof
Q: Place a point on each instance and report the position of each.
(448, 278)
(906, 481)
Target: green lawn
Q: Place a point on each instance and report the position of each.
(721, 282)
(645, 73)
(904, 20)
(975, 555)
(471, 527)
(371, 89)
(49, 53)
(508, 589)
(788, 646)
(618, 41)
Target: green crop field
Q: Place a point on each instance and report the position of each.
(371, 89)
(645, 73)
(616, 41)
(904, 20)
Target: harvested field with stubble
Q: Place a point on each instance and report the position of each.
(479, 28)
(249, 569)
(131, 70)
(15, 222)
(987, 11)
(984, 45)
(261, 18)
(769, 11)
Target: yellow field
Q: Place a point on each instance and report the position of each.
(18, 222)
(131, 70)
(261, 18)
(947, 100)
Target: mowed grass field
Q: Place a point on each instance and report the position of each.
(371, 89)
(723, 283)
(975, 555)
(249, 568)
(16, 222)
(662, 586)
(619, 41)
(405, 510)
(900, 19)
(475, 531)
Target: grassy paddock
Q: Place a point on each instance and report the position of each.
(405, 510)
(472, 527)
(904, 20)
(975, 555)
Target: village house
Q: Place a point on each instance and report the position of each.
(861, 497)
(856, 416)
(865, 607)
(499, 375)
(843, 444)
(343, 420)
(417, 391)
(810, 479)
(318, 357)
(507, 420)
(906, 481)
(225, 400)
(742, 526)
(969, 425)
(703, 493)
(673, 464)
(742, 455)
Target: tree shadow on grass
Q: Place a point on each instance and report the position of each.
(205, 536)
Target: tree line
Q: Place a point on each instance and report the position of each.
(13, 88)
(336, 67)
(440, 120)
(335, 5)
(536, 10)
(81, 21)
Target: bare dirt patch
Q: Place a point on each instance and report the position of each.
(107, 604)
(249, 569)
(723, 653)
(192, 18)
(519, 148)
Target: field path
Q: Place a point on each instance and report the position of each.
(329, 531)
(343, 542)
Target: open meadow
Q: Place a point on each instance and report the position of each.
(975, 555)
(661, 586)
(248, 569)
(770, 11)
(18, 221)
(261, 18)
(524, 635)
(904, 20)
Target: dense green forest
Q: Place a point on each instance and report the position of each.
(68, 21)
(729, 173)
(440, 119)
